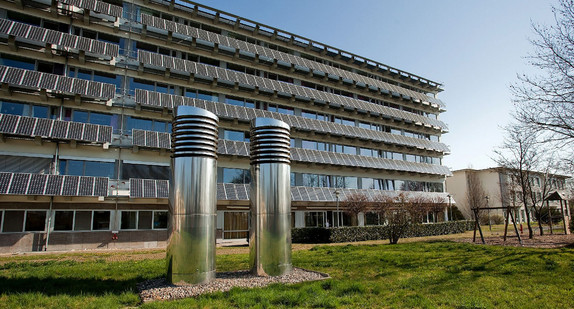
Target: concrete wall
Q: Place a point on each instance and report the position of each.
(70, 241)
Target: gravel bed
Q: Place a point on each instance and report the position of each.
(160, 289)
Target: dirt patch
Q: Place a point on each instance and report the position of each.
(546, 241)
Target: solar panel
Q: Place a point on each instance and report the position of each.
(96, 6)
(60, 129)
(136, 188)
(33, 79)
(5, 179)
(162, 188)
(149, 188)
(104, 134)
(101, 186)
(54, 185)
(164, 140)
(70, 185)
(43, 127)
(19, 184)
(75, 131)
(151, 139)
(37, 184)
(26, 126)
(8, 123)
(86, 186)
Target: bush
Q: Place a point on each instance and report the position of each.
(310, 235)
(362, 233)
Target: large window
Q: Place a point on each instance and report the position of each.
(112, 120)
(143, 220)
(87, 168)
(144, 171)
(15, 221)
(16, 164)
(235, 175)
(146, 124)
(82, 220)
(27, 110)
(239, 136)
(315, 219)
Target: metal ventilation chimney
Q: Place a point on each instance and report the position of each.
(270, 233)
(193, 197)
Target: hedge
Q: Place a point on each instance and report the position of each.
(316, 235)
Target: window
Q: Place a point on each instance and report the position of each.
(34, 165)
(160, 219)
(145, 220)
(35, 221)
(146, 124)
(144, 171)
(17, 62)
(83, 221)
(314, 219)
(87, 168)
(236, 175)
(26, 110)
(372, 218)
(239, 136)
(129, 220)
(13, 221)
(101, 220)
(64, 221)
(239, 102)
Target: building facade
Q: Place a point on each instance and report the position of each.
(502, 190)
(86, 99)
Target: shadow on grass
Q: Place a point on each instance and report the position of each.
(67, 286)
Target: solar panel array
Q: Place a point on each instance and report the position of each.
(55, 185)
(189, 31)
(37, 80)
(151, 139)
(159, 61)
(149, 188)
(43, 35)
(228, 111)
(96, 6)
(236, 148)
(240, 192)
(54, 129)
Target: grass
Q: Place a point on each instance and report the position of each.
(409, 275)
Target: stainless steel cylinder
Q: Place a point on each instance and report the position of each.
(270, 233)
(193, 197)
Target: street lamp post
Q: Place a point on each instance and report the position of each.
(337, 192)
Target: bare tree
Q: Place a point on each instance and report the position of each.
(546, 183)
(545, 101)
(393, 211)
(520, 155)
(475, 195)
(354, 204)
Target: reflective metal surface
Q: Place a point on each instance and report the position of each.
(193, 197)
(270, 233)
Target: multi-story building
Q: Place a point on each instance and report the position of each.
(87, 93)
(502, 190)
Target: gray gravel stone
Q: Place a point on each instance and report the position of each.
(160, 289)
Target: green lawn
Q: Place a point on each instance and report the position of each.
(418, 274)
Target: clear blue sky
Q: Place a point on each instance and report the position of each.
(474, 48)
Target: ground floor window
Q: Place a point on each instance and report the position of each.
(315, 219)
(14, 221)
(143, 220)
(372, 218)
